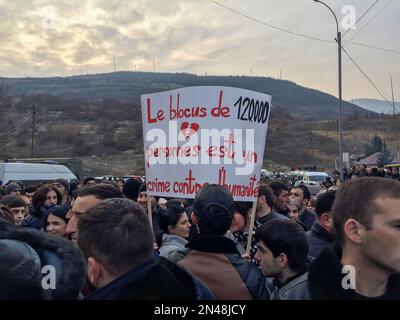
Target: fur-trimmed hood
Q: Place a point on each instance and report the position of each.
(20, 272)
(5, 224)
(55, 251)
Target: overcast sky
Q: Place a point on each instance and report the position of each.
(60, 38)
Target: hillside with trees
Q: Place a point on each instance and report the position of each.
(98, 119)
(128, 86)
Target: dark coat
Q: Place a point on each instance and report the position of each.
(35, 222)
(318, 239)
(55, 251)
(324, 280)
(308, 218)
(157, 279)
(215, 261)
(273, 215)
(36, 219)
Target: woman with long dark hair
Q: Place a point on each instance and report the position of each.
(43, 199)
(175, 227)
(56, 221)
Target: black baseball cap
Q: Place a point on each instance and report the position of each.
(214, 201)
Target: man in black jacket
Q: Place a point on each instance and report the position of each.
(366, 263)
(212, 257)
(281, 193)
(116, 238)
(282, 254)
(302, 195)
(322, 232)
(265, 202)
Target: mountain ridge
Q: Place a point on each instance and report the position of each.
(299, 101)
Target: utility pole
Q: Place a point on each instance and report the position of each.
(154, 64)
(394, 118)
(339, 42)
(115, 67)
(34, 112)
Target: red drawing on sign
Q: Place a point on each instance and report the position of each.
(189, 128)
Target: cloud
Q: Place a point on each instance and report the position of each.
(46, 38)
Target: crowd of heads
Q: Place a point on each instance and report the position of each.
(110, 224)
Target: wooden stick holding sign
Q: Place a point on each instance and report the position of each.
(149, 211)
(252, 218)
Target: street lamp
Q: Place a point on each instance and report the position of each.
(339, 42)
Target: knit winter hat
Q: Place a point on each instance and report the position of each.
(131, 189)
(64, 182)
(12, 187)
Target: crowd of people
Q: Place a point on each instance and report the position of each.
(365, 171)
(101, 244)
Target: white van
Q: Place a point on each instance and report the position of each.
(312, 180)
(33, 173)
(313, 177)
(266, 174)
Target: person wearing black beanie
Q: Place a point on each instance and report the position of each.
(131, 189)
(63, 188)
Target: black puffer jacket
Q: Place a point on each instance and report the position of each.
(60, 253)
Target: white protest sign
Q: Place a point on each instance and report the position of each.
(201, 135)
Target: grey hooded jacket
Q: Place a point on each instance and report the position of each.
(171, 243)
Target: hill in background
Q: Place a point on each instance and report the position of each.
(98, 119)
(128, 86)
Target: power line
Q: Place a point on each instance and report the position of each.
(296, 33)
(323, 40)
(369, 21)
(373, 47)
(376, 1)
(269, 25)
(366, 76)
